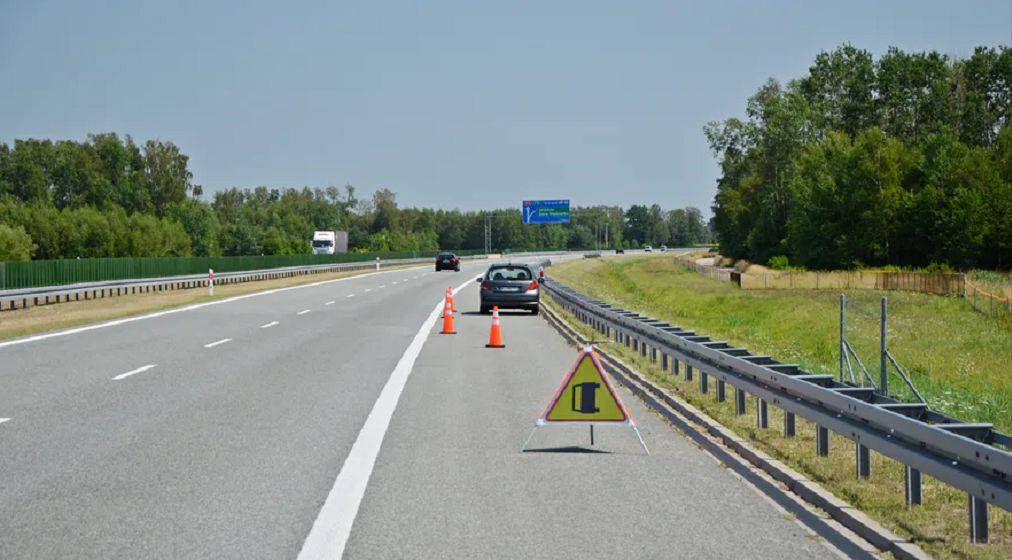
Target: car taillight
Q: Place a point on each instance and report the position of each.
(485, 286)
(532, 286)
(454, 259)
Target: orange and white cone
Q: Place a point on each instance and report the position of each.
(449, 297)
(495, 337)
(447, 319)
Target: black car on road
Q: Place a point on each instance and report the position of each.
(510, 286)
(447, 261)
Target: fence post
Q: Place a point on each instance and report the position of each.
(883, 375)
(843, 349)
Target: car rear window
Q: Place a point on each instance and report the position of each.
(509, 273)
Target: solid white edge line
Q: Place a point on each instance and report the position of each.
(113, 323)
(332, 527)
(303, 312)
(269, 325)
(217, 342)
(141, 369)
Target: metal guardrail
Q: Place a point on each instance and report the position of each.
(21, 299)
(30, 297)
(960, 454)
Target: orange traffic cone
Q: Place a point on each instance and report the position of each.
(495, 337)
(447, 320)
(449, 297)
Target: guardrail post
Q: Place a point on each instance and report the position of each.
(789, 427)
(821, 441)
(720, 391)
(688, 372)
(628, 340)
(863, 458)
(978, 521)
(704, 382)
(643, 349)
(674, 366)
(739, 401)
(762, 414)
(912, 486)
(636, 344)
(664, 362)
(653, 354)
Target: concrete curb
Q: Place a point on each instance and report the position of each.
(705, 426)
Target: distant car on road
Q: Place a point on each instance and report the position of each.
(664, 248)
(647, 248)
(510, 286)
(447, 261)
(620, 251)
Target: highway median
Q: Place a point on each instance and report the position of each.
(35, 320)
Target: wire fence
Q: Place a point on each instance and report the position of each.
(992, 305)
(948, 284)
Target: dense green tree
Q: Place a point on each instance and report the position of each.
(905, 161)
(15, 244)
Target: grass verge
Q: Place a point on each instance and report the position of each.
(45, 318)
(802, 327)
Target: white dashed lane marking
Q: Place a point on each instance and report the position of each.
(141, 369)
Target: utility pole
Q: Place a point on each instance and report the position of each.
(488, 230)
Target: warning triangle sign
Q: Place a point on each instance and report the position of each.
(585, 395)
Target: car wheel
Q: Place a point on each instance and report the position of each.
(437, 269)
(536, 309)
(483, 310)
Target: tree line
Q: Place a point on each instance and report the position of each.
(905, 161)
(110, 197)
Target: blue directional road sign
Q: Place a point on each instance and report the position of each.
(546, 211)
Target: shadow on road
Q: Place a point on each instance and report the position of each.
(570, 449)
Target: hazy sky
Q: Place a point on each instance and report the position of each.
(450, 104)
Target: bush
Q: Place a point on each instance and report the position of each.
(779, 262)
(15, 244)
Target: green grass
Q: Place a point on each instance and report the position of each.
(939, 525)
(960, 360)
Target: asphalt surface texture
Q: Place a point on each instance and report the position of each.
(218, 432)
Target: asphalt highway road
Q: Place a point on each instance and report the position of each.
(258, 427)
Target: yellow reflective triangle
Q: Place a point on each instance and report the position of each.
(585, 395)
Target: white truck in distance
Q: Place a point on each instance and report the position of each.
(330, 242)
(323, 242)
